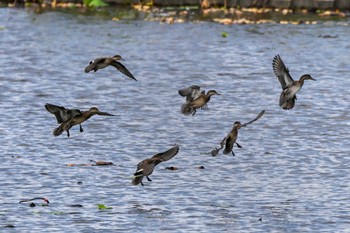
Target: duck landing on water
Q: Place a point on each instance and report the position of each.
(145, 167)
(70, 117)
(103, 62)
(289, 86)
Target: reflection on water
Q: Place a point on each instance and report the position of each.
(291, 172)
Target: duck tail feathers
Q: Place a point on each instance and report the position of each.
(186, 109)
(58, 131)
(137, 180)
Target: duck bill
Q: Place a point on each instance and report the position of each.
(104, 114)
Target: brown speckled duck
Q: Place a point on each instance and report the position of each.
(191, 93)
(68, 118)
(145, 167)
(103, 62)
(289, 86)
(231, 138)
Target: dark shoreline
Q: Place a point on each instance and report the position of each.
(310, 5)
(188, 13)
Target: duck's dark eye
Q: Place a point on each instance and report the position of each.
(91, 62)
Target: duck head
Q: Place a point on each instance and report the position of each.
(212, 92)
(95, 110)
(118, 57)
(237, 125)
(307, 77)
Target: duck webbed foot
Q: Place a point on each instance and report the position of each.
(239, 146)
(81, 128)
(68, 133)
(233, 154)
(148, 178)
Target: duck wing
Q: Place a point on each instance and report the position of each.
(122, 69)
(166, 155)
(215, 151)
(61, 113)
(191, 93)
(255, 119)
(282, 72)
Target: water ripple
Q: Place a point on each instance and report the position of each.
(290, 175)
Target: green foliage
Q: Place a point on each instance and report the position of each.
(95, 3)
(224, 34)
(57, 213)
(103, 207)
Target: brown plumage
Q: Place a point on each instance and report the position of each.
(62, 114)
(191, 93)
(289, 86)
(145, 167)
(231, 138)
(78, 119)
(103, 62)
(202, 100)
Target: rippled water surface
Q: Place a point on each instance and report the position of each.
(292, 172)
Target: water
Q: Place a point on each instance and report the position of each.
(291, 171)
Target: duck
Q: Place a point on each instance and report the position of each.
(191, 93)
(289, 86)
(202, 100)
(145, 167)
(32, 204)
(231, 139)
(75, 118)
(35, 198)
(103, 62)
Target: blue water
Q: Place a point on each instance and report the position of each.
(292, 172)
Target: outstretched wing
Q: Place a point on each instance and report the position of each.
(166, 155)
(122, 69)
(191, 93)
(61, 113)
(282, 72)
(255, 119)
(215, 151)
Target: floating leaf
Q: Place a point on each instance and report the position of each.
(224, 34)
(103, 207)
(57, 213)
